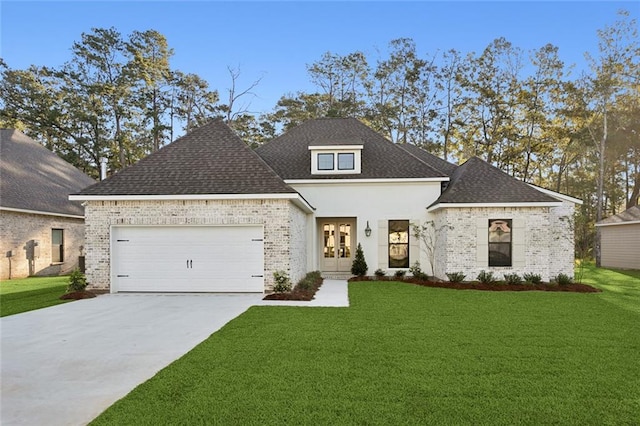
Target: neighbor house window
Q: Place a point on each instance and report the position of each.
(398, 244)
(57, 245)
(325, 161)
(500, 242)
(346, 161)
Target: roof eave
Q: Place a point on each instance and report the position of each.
(296, 198)
(631, 222)
(11, 209)
(438, 206)
(556, 195)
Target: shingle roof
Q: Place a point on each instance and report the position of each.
(430, 159)
(209, 160)
(632, 214)
(290, 157)
(34, 178)
(479, 182)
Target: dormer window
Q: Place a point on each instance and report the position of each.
(335, 159)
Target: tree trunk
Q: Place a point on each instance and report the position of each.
(601, 149)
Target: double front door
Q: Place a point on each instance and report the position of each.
(338, 244)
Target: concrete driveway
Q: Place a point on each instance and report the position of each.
(66, 364)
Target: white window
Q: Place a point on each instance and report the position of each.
(335, 159)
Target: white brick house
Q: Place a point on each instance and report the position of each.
(206, 213)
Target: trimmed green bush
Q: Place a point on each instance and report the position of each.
(532, 278)
(400, 273)
(486, 277)
(563, 279)
(283, 283)
(359, 266)
(77, 281)
(380, 273)
(416, 271)
(512, 279)
(456, 277)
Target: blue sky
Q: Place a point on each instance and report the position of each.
(276, 40)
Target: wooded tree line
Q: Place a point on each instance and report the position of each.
(522, 111)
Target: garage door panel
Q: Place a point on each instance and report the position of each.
(188, 259)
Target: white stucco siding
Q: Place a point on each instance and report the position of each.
(376, 203)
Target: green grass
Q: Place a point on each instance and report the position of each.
(404, 354)
(27, 294)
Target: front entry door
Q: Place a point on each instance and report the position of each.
(338, 238)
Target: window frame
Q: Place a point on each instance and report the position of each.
(353, 160)
(57, 248)
(390, 244)
(326, 154)
(493, 245)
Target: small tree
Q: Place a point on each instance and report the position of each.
(77, 281)
(429, 237)
(359, 266)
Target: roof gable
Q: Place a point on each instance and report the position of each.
(36, 179)
(211, 159)
(478, 182)
(289, 154)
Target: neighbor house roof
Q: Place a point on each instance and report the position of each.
(478, 182)
(209, 160)
(34, 179)
(630, 215)
(290, 157)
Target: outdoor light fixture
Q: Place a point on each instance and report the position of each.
(367, 230)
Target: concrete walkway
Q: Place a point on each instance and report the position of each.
(66, 364)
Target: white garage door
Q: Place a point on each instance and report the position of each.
(187, 258)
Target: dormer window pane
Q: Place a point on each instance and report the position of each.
(346, 161)
(325, 161)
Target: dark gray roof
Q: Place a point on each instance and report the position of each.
(290, 157)
(34, 178)
(436, 162)
(632, 214)
(209, 160)
(479, 182)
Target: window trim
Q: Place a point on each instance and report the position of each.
(509, 244)
(336, 151)
(390, 244)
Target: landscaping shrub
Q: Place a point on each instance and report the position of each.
(512, 279)
(456, 277)
(416, 271)
(532, 278)
(359, 266)
(77, 281)
(283, 283)
(380, 273)
(486, 277)
(563, 279)
(400, 273)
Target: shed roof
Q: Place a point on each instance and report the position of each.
(632, 214)
(35, 179)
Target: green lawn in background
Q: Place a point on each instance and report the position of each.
(27, 294)
(405, 354)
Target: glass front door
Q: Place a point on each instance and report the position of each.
(337, 238)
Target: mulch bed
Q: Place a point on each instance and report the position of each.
(574, 287)
(297, 293)
(77, 295)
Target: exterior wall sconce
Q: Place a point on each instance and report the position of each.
(367, 230)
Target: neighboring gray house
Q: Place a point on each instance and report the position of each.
(620, 240)
(41, 231)
(206, 213)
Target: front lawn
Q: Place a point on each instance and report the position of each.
(405, 354)
(27, 294)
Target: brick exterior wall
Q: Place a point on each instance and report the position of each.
(283, 226)
(542, 243)
(16, 229)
